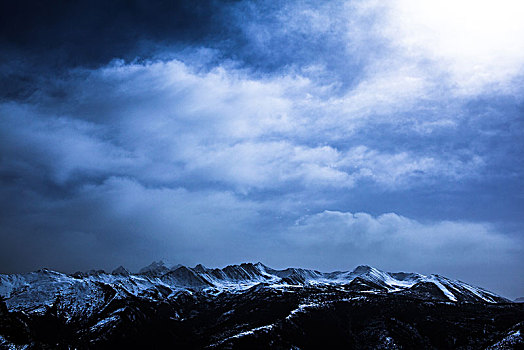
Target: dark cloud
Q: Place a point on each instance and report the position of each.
(118, 219)
(94, 32)
(46, 38)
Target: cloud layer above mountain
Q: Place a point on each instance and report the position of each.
(299, 133)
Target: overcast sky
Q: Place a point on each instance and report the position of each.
(297, 133)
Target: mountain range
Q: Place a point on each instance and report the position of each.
(251, 305)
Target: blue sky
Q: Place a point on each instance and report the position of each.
(296, 133)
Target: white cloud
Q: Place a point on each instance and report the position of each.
(272, 164)
(165, 123)
(396, 242)
(398, 169)
(389, 89)
(479, 43)
(169, 121)
(381, 60)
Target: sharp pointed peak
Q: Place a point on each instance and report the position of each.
(200, 268)
(154, 267)
(120, 270)
(363, 269)
(261, 265)
(157, 263)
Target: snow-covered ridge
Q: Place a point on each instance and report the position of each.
(85, 293)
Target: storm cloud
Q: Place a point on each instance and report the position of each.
(295, 133)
